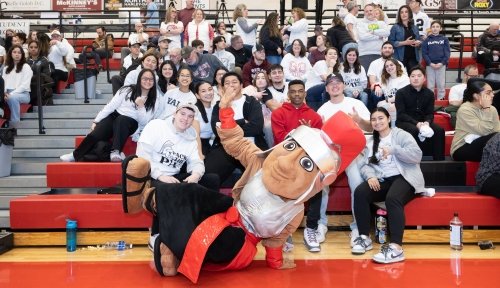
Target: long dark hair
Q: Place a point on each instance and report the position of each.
(410, 16)
(272, 25)
(474, 86)
(337, 63)
(215, 74)
(162, 81)
(303, 50)
(135, 91)
(356, 65)
(198, 103)
(9, 62)
(376, 136)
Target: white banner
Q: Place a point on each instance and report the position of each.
(17, 26)
(26, 5)
(202, 4)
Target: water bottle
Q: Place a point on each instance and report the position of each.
(117, 245)
(381, 226)
(71, 235)
(456, 233)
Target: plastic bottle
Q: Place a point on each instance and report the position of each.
(117, 245)
(456, 233)
(71, 226)
(381, 226)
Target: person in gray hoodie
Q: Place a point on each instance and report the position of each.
(392, 174)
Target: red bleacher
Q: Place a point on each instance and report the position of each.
(128, 149)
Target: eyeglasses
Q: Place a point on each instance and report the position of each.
(148, 79)
(472, 76)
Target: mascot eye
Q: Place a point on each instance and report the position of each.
(289, 146)
(306, 163)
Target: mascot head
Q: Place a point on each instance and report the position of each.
(311, 158)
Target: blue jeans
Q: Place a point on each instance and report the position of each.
(14, 101)
(274, 59)
(363, 96)
(316, 96)
(374, 99)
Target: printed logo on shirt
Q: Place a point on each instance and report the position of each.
(436, 42)
(373, 26)
(297, 69)
(171, 158)
(203, 71)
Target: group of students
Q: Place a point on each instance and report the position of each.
(175, 107)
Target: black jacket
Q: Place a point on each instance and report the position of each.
(414, 106)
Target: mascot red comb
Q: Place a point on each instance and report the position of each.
(204, 229)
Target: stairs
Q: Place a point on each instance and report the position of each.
(67, 118)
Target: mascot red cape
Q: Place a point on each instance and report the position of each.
(204, 229)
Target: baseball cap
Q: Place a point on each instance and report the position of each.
(163, 38)
(186, 51)
(257, 48)
(334, 77)
(134, 43)
(188, 105)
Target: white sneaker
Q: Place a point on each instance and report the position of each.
(151, 242)
(288, 246)
(389, 253)
(67, 157)
(321, 233)
(310, 240)
(354, 235)
(115, 156)
(362, 244)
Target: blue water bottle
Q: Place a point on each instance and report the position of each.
(71, 235)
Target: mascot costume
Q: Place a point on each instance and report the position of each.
(203, 229)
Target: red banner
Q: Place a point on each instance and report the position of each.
(76, 5)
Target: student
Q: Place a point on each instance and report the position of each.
(129, 110)
(205, 96)
(17, 77)
(436, 53)
(415, 109)
(354, 75)
(488, 175)
(477, 122)
(392, 174)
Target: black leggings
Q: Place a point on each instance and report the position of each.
(433, 146)
(396, 192)
(472, 151)
(114, 126)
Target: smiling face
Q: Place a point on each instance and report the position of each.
(184, 78)
(167, 71)
(198, 15)
(335, 89)
(296, 47)
(332, 55)
(296, 94)
(183, 119)
(351, 57)
(219, 74)
(277, 76)
(390, 67)
(147, 81)
(261, 81)
(379, 121)
(404, 14)
(288, 171)
(205, 94)
(150, 62)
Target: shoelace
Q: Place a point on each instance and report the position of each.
(360, 241)
(311, 236)
(386, 249)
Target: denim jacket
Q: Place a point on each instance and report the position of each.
(398, 34)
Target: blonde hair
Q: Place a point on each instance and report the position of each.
(168, 16)
(238, 11)
(381, 14)
(299, 12)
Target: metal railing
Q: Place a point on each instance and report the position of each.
(38, 77)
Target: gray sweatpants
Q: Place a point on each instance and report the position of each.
(437, 77)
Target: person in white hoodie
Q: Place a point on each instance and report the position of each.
(17, 79)
(57, 55)
(131, 108)
(297, 29)
(371, 36)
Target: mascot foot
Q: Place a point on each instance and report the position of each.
(149, 200)
(165, 261)
(135, 180)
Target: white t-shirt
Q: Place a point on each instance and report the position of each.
(457, 92)
(170, 100)
(422, 22)
(353, 80)
(314, 76)
(387, 165)
(295, 67)
(176, 40)
(351, 19)
(278, 95)
(393, 85)
(206, 131)
(237, 106)
(377, 67)
(328, 109)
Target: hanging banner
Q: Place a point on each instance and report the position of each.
(201, 4)
(17, 26)
(77, 5)
(483, 5)
(26, 5)
(115, 5)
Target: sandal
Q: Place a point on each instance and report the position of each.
(165, 261)
(136, 179)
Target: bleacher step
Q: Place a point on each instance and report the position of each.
(23, 180)
(56, 132)
(56, 123)
(102, 99)
(88, 107)
(61, 115)
(40, 153)
(43, 141)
